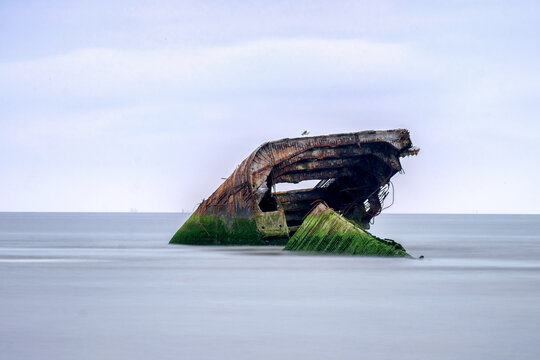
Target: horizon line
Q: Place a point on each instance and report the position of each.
(191, 212)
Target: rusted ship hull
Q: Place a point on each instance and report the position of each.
(353, 170)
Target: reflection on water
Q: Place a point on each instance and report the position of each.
(108, 286)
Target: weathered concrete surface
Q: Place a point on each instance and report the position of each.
(354, 170)
(326, 231)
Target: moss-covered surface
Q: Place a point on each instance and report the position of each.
(326, 231)
(213, 230)
(273, 225)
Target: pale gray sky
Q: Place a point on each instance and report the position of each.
(109, 106)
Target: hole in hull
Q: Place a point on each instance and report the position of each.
(302, 185)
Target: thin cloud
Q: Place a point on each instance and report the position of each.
(266, 64)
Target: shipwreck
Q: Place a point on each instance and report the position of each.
(354, 172)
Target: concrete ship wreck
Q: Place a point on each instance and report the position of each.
(354, 172)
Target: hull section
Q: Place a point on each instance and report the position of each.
(353, 172)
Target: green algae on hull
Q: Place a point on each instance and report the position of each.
(214, 230)
(326, 231)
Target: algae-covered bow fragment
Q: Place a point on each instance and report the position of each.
(326, 231)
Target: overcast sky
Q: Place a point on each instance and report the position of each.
(119, 105)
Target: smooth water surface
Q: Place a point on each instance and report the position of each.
(108, 286)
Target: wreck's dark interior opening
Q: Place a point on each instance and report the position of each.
(268, 202)
(354, 186)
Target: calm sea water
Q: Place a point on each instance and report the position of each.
(108, 286)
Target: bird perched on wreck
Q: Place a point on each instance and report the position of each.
(306, 132)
